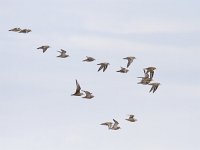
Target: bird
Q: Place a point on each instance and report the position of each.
(89, 59)
(88, 95)
(154, 87)
(15, 29)
(78, 90)
(115, 126)
(145, 80)
(131, 118)
(25, 31)
(44, 48)
(109, 124)
(150, 70)
(62, 54)
(103, 66)
(123, 70)
(130, 60)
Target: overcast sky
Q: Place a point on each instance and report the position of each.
(37, 111)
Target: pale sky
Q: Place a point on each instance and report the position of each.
(37, 111)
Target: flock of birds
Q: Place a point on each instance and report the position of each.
(145, 80)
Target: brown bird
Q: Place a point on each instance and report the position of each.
(123, 70)
(131, 118)
(88, 95)
(103, 66)
(150, 70)
(112, 126)
(15, 29)
(154, 86)
(130, 60)
(78, 90)
(44, 48)
(115, 126)
(89, 59)
(62, 54)
(145, 80)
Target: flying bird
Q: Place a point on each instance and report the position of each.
(88, 95)
(103, 66)
(15, 29)
(44, 48)
(89, 59)
(115, 126)
(154, 86)
(145, 80)
(25, 31)
(123, 70)
(130, 60)
(78, 90)
(131, 118)
(109, 124)
(112, 126)
(150, 70)
(62, 54)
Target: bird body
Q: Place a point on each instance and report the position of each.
(25, 31)
(89, 59)
(88, 95)
(123, 70)
(131, 118)
(62, 54)
(44, 48)
(150, 70)
(103, 66)
(146, 79)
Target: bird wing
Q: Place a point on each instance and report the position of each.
(41, 47)
(115, 123)
(151, 74)
(100, 67)
(44, 49)
(78, 87)
(129, 62)
(109, 124)
(105, 67)
(155, 88)
(152, 88)
(63, 51)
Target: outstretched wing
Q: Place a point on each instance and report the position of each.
(152, 88)
(151, 74)
(115, 123)
(105, 67)
(155, 88)
(101, 67)
(78, 87)
(109, 124)
(130, 60)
